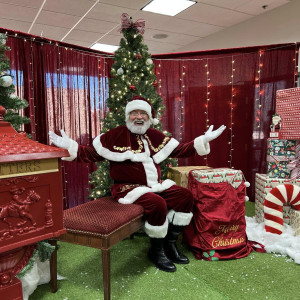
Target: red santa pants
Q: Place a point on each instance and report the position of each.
(156, 206)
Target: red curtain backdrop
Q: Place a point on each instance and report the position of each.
(234, 87)
(66, 87)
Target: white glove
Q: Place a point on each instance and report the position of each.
(60, 141)
(211, 135)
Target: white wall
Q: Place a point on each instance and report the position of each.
(281, 25)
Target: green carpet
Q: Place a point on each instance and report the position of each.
(258, 276)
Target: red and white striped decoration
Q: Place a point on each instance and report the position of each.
(275, 199)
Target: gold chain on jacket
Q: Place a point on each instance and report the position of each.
(160, 146)
(129, 186)
(129, 148)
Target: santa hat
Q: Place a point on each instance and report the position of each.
(138, 102)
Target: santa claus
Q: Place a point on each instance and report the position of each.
(135, 151)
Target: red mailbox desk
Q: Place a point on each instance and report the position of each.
(31, 207)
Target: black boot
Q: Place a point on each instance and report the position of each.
(157, 255)
(171, 247)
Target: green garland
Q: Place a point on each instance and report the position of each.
(44, 251)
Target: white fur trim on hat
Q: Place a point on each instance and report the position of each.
(141, 105)
(138, 104)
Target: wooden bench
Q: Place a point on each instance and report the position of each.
(101, 224)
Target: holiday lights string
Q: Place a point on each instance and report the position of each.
(296, 66)
(181, 101)
(32, 111)
(208, 86)
(258, 91)
(231, 113)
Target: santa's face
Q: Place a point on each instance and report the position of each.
(138, 122)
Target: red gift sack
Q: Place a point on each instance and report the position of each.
(218, 228)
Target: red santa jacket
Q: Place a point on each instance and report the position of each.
(134, 159)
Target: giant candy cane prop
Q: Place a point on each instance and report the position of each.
(279, 195)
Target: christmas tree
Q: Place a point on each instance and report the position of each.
(8, 99)
(132, 74)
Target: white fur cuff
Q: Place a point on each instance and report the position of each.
(156, 231)
(179, 218)
(201, 147)
(73, 149)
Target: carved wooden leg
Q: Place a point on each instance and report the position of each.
(53, 267)
(106, 273)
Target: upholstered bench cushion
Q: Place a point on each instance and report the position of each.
(101, 216)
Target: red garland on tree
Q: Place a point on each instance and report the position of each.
(138, 56)
(132, 87)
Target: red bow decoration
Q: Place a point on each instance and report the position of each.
(126, 22)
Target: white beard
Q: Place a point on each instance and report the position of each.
(141, 129)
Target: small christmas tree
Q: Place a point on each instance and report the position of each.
(8, 99)
(132, 74)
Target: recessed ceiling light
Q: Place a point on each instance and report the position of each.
(105, 47)
(160, 36)
(168, 7)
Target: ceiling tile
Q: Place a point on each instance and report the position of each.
(28, 3)
(69, 7)
(18, 13)
(255, 7)
(230, 4)
(94, 25)
(132, 4)
(213, 15)
(54, 18)
(173, 37)
(85, 36)
(14, 25)
(108, 12)
(51, 32)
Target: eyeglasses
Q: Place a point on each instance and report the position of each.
(136, 113)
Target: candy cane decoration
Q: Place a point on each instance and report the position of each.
(279, 195)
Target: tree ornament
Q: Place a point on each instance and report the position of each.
(149, 61)
(13, 96)
(138, 56)
(155, 83)
(2, 39)
(6, 81)
(132, 87)
(120, 71)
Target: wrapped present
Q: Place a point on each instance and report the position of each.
(281, 150)
(294, 165)
(288, 107)
(234, 177)
(295, 220)
(278, 169)
(180, 174)
(279, 154)
(263, 185)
